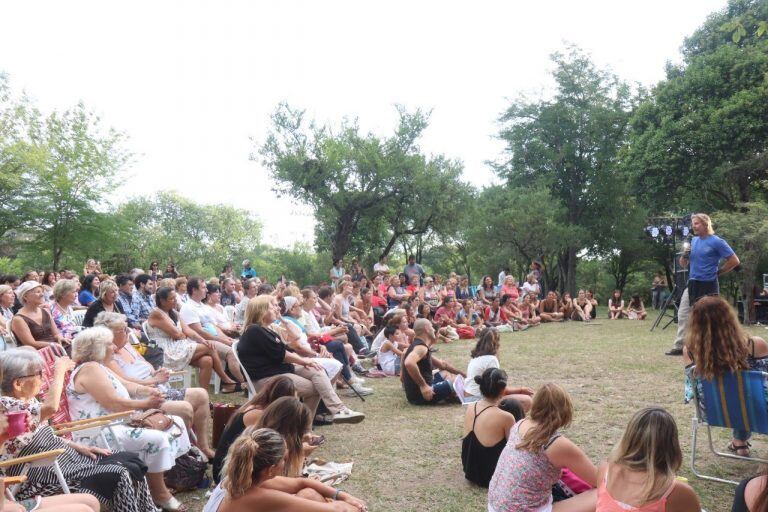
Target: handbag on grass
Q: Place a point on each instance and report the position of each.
(154, 419)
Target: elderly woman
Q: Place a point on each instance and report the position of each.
(190, 404)
(107, 301)
(33, 325)
(7, 299)
(181, 345)
(20, 383)
(64, 295)
(89, 289)
(94, 391)
(264, 355)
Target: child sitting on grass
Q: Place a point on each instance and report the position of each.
(389, 354)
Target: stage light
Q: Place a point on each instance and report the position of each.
(668, 230)
(654, 232)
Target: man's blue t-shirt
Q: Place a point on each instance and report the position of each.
(705, 257)
(248, 273)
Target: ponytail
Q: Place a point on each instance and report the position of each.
(254, 451)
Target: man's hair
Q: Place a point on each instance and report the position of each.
(194, 283)
(265, 289)
(141, 279)
(324, 292)
(703, 217)
(122, 279)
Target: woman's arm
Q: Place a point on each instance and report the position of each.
(53, 397)
(122, 377)
(161, 321)
(190, 333)
(293, 340)
(564, 453)
(93, 381)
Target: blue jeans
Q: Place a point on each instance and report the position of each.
(355, 340)
(336, 348)
(442, 388)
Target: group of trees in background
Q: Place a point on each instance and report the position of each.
(583, 169)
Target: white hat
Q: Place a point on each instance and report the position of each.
(25, 287)
(290, 301)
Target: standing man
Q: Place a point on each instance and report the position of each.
(420, 385)
(703, 258)
(381, 268)
(248, 272)
(414, 269)
(503, 276)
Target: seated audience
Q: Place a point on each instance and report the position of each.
(421, 386)
(531, 285)
(340, 315)
(616, 306)
(229, 296)
(64, 296)
(125, 299)
(95, 391)
(248, 415)
(20, 382)
(593, 302)
(212, 299)
(549, 308)
(463, 291)
(495, 316)
(469, 316)
(485, 356)
(636, 309)
(107, 301)
(89, 289)
(91, 267)
(396, 293)
(293, 420)
(528, 310)
(264, 355)
(534, 457)
(182, 346)
(581, 309)
(389, 353)
(7, 297)
(566, 305)
(251, 290)
(251, 482)
(33, 325)
(198, 318)
(48, 282)
(715, 345)
(486, 428)
(486, 292)
(190, 404)
(143, 301)
(640, 472)
(752, 493)
(509, 287)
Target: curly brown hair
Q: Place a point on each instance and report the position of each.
(715, 340)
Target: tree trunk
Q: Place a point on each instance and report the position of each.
(342, 238)
(567, 265)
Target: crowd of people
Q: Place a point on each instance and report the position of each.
(92, 346)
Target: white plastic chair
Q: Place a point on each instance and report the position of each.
(251, 387)
(9, 339)
(229, 313)
(78, 316)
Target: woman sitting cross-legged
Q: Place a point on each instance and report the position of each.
(264, 355)
(94, 391)
(190, 404)
(581, 309)
(716, 344)
(533, 459)
(107, 301)
(249, 415)
(636, 309)
(616, 306)
(639, 476)
(181, 345)
(484, 357)
(486, 428)
(251, 481)
(21, 373)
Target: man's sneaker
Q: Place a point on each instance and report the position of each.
(356, 380)
(358, 369)
(347, 415)
(362, 391)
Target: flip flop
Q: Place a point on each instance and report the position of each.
(238, 387)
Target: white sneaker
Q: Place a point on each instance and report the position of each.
(356, 380)
(360, 390)
(347, 415)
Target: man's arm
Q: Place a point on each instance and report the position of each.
(445, 365)
(731, 263)
(411, 365)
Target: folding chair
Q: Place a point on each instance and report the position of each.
(251, 387)
(49, 458)
(735, 400)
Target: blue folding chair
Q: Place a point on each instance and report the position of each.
(735, 400)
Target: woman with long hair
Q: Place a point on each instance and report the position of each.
(251, 481)
(89, 290)
(616, 306)
(636, 309)
(486, 292)
(639, 475)
(249, 415)
(715, 344)
(533, 459)
(581, 308)
(293, 420)
(484, 356)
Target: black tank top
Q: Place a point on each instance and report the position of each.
(412, 391)
(479, 461)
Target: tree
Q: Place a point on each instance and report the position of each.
(569, 144)
(69, 165)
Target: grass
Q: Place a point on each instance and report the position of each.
(407, 458)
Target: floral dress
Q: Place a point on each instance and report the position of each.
(177, 354)
(158, 449)
(64, 320)
(523, 479)
(111, 484)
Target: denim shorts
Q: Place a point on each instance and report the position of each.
(443, 388)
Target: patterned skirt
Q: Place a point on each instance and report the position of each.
(111, 484)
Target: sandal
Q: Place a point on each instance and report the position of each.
(741, 450)
(236, 388)
(172, 505)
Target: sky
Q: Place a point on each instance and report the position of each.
(193, 83)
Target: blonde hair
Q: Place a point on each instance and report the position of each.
(91, 345)
(168, 282)
(255, 450)
(107, 285)
(703, 217)
(551, 410)
(292, 291)
(650, 445)
(63, 287)
(256, 309)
